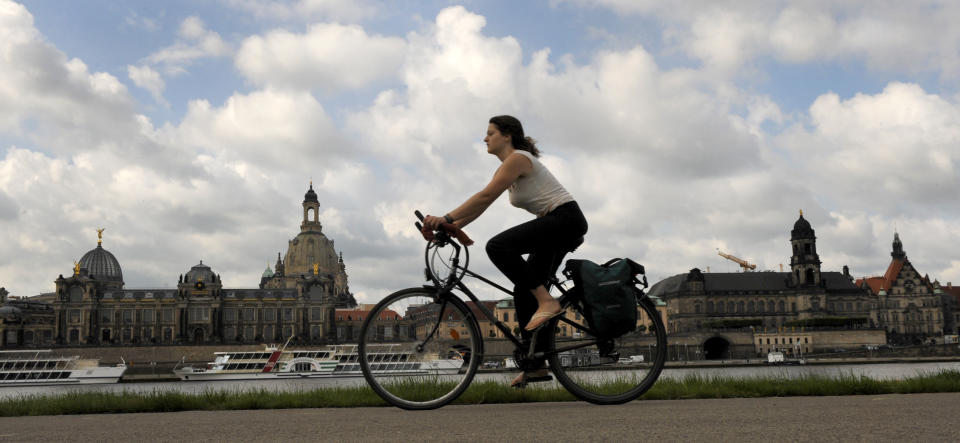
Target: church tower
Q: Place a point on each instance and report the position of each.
(311, 212)
(805, 263)
(311, 263)
(897, 252)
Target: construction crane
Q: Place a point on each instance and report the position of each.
(743, 263)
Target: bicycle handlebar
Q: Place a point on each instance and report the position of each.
(446, 230)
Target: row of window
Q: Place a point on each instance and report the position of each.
(771, 307)
(40, 375)
(744, 307)
(126, 336)
(110, 315)
(779, 341)
(265, 314)
(196, 314)
(907, 317)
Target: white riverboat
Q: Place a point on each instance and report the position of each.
(330, 361)
(41, 367)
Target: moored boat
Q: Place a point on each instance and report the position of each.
(41, 367)
(330, 361)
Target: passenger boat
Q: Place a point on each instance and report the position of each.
(328, 362)
(40, 367)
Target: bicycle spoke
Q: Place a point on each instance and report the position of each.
(607, 371)
(418, 353)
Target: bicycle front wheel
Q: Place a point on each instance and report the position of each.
(418, 350)
(610, 371)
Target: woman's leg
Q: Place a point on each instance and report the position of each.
(539, 238)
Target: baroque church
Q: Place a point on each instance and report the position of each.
(92, 306)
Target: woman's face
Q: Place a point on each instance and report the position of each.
(495, 140)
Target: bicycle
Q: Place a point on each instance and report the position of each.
(420, 348)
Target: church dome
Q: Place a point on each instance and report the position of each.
(307, 248)
(267, 273)
(310, 196)
(199, 272)
(102, 265)
(801, 229)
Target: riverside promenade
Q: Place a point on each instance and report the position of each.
(913, 417)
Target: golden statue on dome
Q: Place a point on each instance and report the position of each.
(100, 235)
(76, 268)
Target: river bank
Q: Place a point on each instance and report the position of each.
(690, 386)
(156, 376)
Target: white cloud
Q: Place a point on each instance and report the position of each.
(54, 101)
(263, 131)
(328, 57)
(194, 42)
(892, 36)
(891, 152)
(150, 80)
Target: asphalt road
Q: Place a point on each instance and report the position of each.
(914, 417)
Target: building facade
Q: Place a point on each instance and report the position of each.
(909, 306)
(806, 296)
(92, 306)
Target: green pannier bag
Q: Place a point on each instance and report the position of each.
(608, 293)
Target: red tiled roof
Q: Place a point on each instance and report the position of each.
(875, 284)
(892, 271)
(885, 282)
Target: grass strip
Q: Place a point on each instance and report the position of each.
(480, 392)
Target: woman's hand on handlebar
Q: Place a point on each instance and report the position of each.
(433, 223)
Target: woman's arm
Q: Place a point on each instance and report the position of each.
(512, 168)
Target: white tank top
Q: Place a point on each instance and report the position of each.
(538, 192)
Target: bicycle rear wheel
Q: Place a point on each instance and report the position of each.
(608, 371)
(418, 351)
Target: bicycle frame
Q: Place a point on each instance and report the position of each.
(565, 302)
(446, 289)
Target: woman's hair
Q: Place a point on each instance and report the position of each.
(509, 125)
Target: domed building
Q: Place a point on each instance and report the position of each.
(78, 298)
(311, 255)
(298, 299)
(100, 264)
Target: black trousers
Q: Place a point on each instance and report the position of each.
(546, 239)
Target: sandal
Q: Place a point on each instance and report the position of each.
(544, 317)
(531, 377)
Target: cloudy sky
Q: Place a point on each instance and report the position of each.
(190, 130)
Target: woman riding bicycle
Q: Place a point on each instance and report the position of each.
(558, 226)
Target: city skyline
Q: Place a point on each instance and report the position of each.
(190, 130)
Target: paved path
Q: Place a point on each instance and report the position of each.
(915, 417)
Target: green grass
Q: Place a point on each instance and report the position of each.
(481, 392)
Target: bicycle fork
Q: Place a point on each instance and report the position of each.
(423, 345)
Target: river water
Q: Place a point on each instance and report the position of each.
(880, 371)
